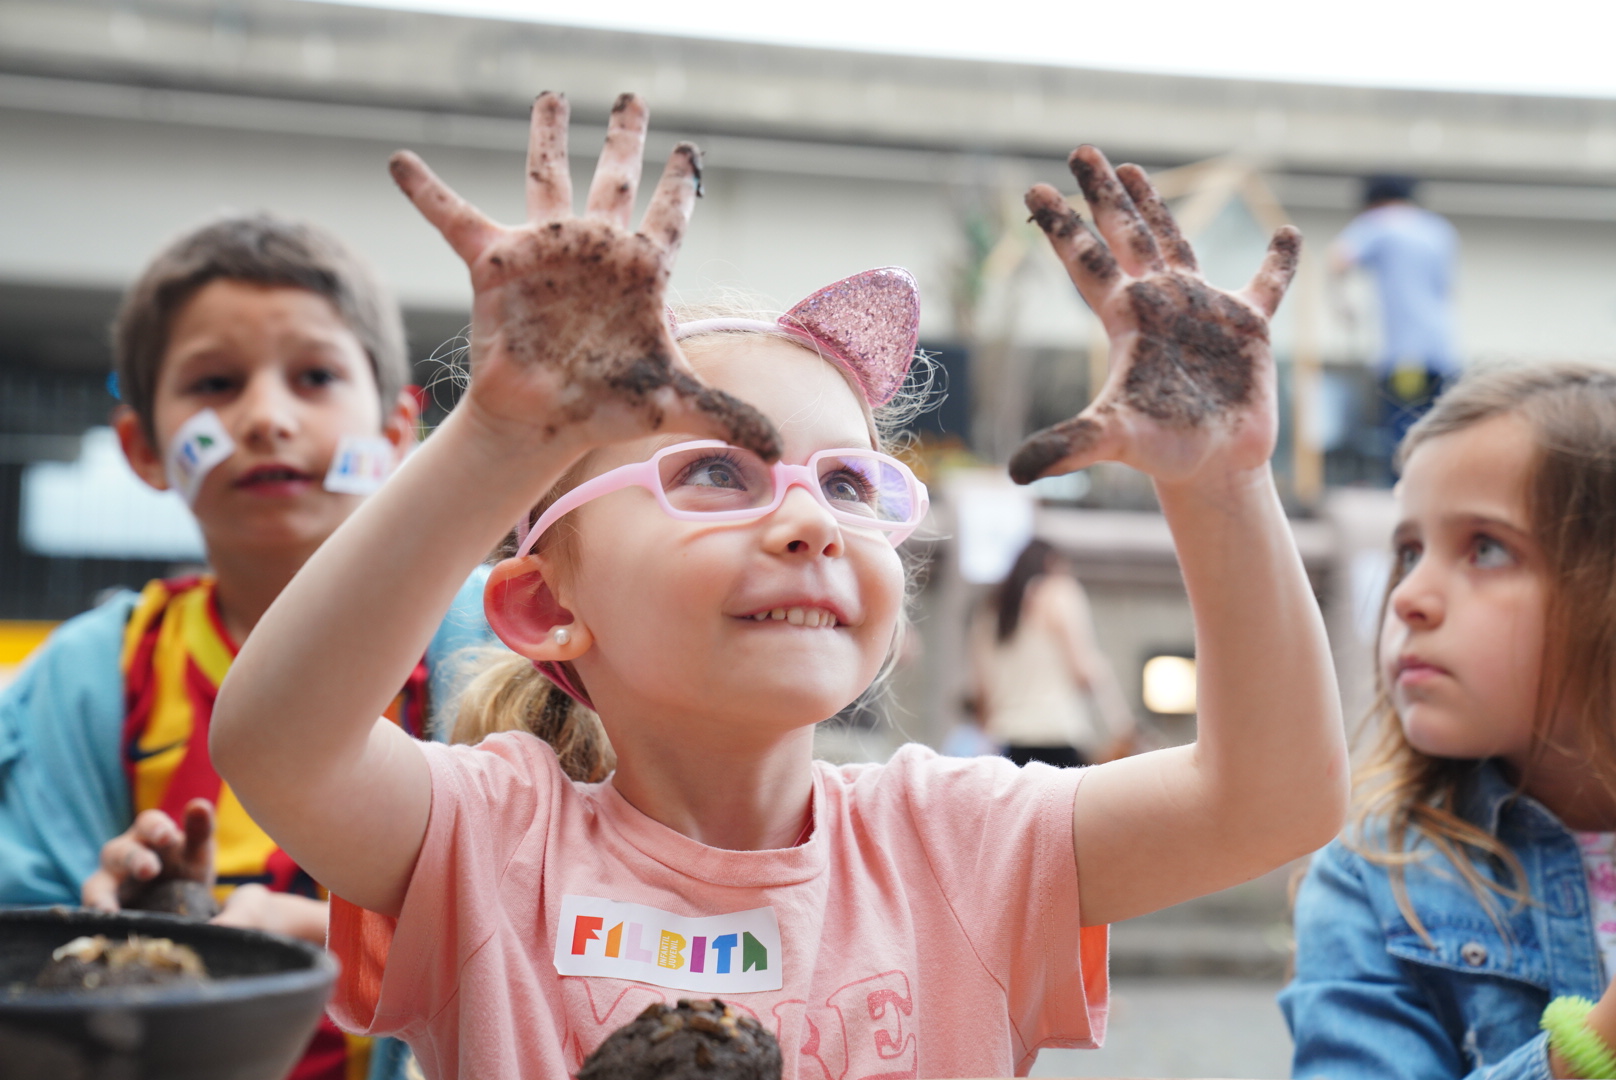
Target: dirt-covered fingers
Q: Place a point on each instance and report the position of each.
(617, 175)
(100, 892)
(692, 404)
(1090, 264)
(127, 858)
(674, 198)
(1115, 214)
(1068, 446)
(197, 853)
(1174, 248)
(1278, 267)
(549, 179)
(462, 224)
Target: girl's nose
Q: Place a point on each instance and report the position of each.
(267, 412)
(1417, 600)
(800, 526)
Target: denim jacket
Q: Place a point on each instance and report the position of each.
(1371, 999)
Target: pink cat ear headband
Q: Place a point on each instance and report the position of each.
(868, 323)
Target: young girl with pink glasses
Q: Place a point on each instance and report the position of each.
(706, 559)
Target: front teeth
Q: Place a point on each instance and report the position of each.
(797, 616)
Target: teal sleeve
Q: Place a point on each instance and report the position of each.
(63, 792)
(463, 628)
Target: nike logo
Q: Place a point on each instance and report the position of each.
(137, 754)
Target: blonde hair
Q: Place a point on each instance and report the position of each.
(1571, 410)
(506, 692)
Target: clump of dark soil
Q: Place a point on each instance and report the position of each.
(694, 1040)
(177, 896)
(101, 963)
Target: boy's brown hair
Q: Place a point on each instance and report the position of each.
(1571, 409)
(264, 250)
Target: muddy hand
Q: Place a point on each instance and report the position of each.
(155, 846)
(1191, 384)
(569, 334)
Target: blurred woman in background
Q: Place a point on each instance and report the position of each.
(1045, 691)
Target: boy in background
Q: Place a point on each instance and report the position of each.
(263, 372)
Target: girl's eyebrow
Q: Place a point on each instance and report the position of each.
(1408, 529)
(1490, 521)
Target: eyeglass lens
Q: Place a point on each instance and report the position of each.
(710, 480)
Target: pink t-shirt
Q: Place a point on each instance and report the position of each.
(928, 927)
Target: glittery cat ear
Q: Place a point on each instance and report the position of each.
(870, 322)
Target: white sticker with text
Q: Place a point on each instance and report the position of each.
(198, 446)
(360, 466)
(736, 953)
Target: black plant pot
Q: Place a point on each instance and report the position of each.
(250, 1021)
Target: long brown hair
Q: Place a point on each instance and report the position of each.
(506, 693)
(1011, 597)
(1571, 499)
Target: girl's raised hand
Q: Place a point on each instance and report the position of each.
(1192, 384)
(569, 334)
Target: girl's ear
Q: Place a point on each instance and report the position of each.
(526, 615)
(142, 456)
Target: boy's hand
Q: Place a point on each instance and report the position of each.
(1191, 386)
(154, 846)
(569, 332)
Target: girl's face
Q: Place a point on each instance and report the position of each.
(1461, 646)
(670, 603)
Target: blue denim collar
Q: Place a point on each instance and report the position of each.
(1489, 799)
(1485, 794)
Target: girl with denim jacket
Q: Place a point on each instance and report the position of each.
(1477, 883)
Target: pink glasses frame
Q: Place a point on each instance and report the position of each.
(645, 474)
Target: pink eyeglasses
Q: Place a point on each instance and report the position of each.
(709, 480)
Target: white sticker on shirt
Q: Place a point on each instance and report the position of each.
(197, 448)
(361, 465)
(738, 953)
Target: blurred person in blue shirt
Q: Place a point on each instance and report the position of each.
(1410, 252)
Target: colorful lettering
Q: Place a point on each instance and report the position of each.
(753, 954)
(633, 951)
(723, 946)
(733, 953)
(583, 932)
(698, 955)
(671, 951)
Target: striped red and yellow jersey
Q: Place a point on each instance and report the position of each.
(175, 654)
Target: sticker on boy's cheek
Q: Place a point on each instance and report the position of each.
(361, 465)
(197, 448)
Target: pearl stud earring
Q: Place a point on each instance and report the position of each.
(561, 635)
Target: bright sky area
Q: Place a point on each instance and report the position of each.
(1546, 47)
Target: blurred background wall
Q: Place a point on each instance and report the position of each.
(122, 123)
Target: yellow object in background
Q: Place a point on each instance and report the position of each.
(17, 641)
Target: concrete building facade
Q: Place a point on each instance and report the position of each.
(123, 122)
